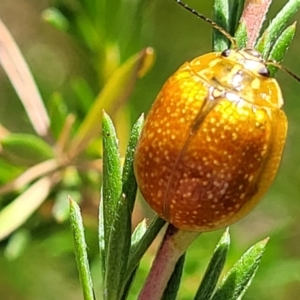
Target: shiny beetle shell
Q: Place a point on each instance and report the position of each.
(212, 142)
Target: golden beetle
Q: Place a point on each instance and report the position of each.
(212, 142)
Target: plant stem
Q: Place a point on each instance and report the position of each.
(254, 15)
(174, 244)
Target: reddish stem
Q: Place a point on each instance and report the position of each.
(174, 244)
(253, 16)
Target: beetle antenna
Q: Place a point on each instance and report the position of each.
(209, 21)
(279, 66)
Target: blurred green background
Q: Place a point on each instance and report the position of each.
(42, 265)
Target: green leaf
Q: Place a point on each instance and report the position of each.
(128, 178)
(269, 37)
(138, 233)
(139, 249)
(84, 93)
(54, 17)
(241, 35)
(240, 275)
(25, 149)
(8, 171)
(111, 186)
(58, 112)
(221, 17)
(103, 244)
(281, 47)
(20, 209)
(17, 243)
(136, 237)
(119, 242)
(80, 251)
(172, 288)
(214, 269)
(227, 14)
(112, 178)
(235, 13)
(115, 92)
(128, 284)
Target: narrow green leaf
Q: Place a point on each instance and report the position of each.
(128, 284)
(221, 17)
(137, 235)
(20, 209)
(269, 37)
(101, 238)
(281, 47)
(139, 250)
(214, 269)
(172, 288)
(25, 149)
(54, 17)
(235, 13)
(17, 243)
(8, 172)
(58, 112)
(116, 90)
(80, 251)
(111, 186)
(112, 178)
(120, 237)
(240, 275)
(241, 35)
(128, 178)
(84, 93)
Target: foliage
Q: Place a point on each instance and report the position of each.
(62, 153)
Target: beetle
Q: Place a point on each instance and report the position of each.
(212, 142)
